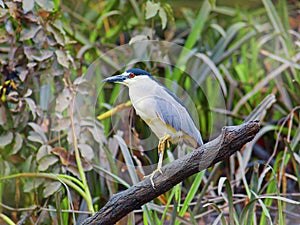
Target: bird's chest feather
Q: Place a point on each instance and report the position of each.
(144, 102)
(144, 107)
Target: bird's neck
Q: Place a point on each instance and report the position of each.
(142, 89)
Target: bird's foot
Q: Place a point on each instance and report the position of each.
(152, 176)
(161, 148)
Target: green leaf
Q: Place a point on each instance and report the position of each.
(47, 5)
(45, 162)
(192, 192)
(192, 39)
(58, 33)
(152, 9)
(62, 58)
(17, 143)
(39, 130)
(51, 188)
(86, 151)
(27, 5)
(264, 208)
(137, 38)
(42, 55)
(163, 16)
(212, 3)
(128, 159)
(6, 219)
(220, 184)
(2, 4)
(43, 151)
(32, 184)
(166, 208)
(6, 139)
(63, 100)
(115, 177)
(27, 34)
(228, 196)
(32, 106)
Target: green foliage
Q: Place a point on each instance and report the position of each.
(56, 159)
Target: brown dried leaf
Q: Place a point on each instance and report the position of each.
(3, 12)
(3, 117)
(16, 159)
(69, 160)
(65, 158)
(30, 17)
(13, 9)
(44, 14)
(3, 36)
(45, 124)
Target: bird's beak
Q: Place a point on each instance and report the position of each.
(115, 79)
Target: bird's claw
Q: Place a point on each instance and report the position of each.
(152, 176)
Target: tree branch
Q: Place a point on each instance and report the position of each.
(232, 139)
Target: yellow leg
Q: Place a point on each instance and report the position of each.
(161, 148)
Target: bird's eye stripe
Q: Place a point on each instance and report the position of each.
(131, 75)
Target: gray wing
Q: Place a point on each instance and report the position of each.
(169, 113)
(172, 111)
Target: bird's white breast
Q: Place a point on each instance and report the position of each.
(143, 94)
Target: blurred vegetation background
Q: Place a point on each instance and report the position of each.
(57, 166)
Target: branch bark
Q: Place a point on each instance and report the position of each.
(232, 139)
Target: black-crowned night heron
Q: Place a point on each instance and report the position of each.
(161, 109)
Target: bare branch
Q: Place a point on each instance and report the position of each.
(232, 139)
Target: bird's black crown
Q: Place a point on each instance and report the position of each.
(137, 72)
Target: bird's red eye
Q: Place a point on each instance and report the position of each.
(131, 75)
